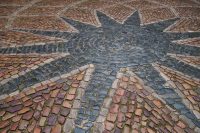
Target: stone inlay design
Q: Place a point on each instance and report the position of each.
(135, 107)
(15, 65)
(35, 10)
(155, 15)
(8, 10)
(191, 60)
(190, 41)
(44, 107)
(87, 16)
(18, 39)
(186, 87)
(188, 11)
(46, 23)
(185, 25)
(118, 12)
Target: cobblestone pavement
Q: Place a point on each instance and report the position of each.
(99, 66)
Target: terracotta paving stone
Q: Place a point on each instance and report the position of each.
(17, 39)
(188, 11)
(60, 3)
(178, 2)
(46, 23)
(51, 116)
(14, 2)
(190, 41)
(137, 118)
(35, 10)
(8, 10)
(190, 60)
(185, 25)
(97, 4)
(155, 15)
(184, 86)
(142, 4)
(3, 22)
(87, 16)
(12, 65)
(118, 12)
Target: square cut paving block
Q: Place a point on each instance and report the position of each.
(137, 108)
(59, 3)
(142, 4)
(190, 41)
(178, 2)
(44, 23)
(188, 11)
(155, 15)
(14, 2)
(3, 22)
(35, 10)
(8, 10)
(185, 86)
(11, 38)
(190, 60)
(45, 107)
(18, 64)
(87, 16)
(185, 25)
(118, 12)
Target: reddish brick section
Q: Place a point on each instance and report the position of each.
(185, 25)
(8, 10)
(59, 3)
(190, 60)
(16, 38)
(14, 2)
(142, 4)
(155, 15)
(83, 15)
(178, 2)
(40, 109)
(3, 22)
(184, 85)
(94, 4)
(136, 108)
(190, 41)
(46, 23)
(118, 12)
(18, 64)
(35, 10)
(188, 11)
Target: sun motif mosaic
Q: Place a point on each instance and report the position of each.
(99, 66)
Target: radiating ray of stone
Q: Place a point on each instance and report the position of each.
(190, 41)
(185, 86)
(190, 60)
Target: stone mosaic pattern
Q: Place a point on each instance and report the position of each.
(134, 107)
(185, 87)
(44, 107)
(13, 66)
(46, 41)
